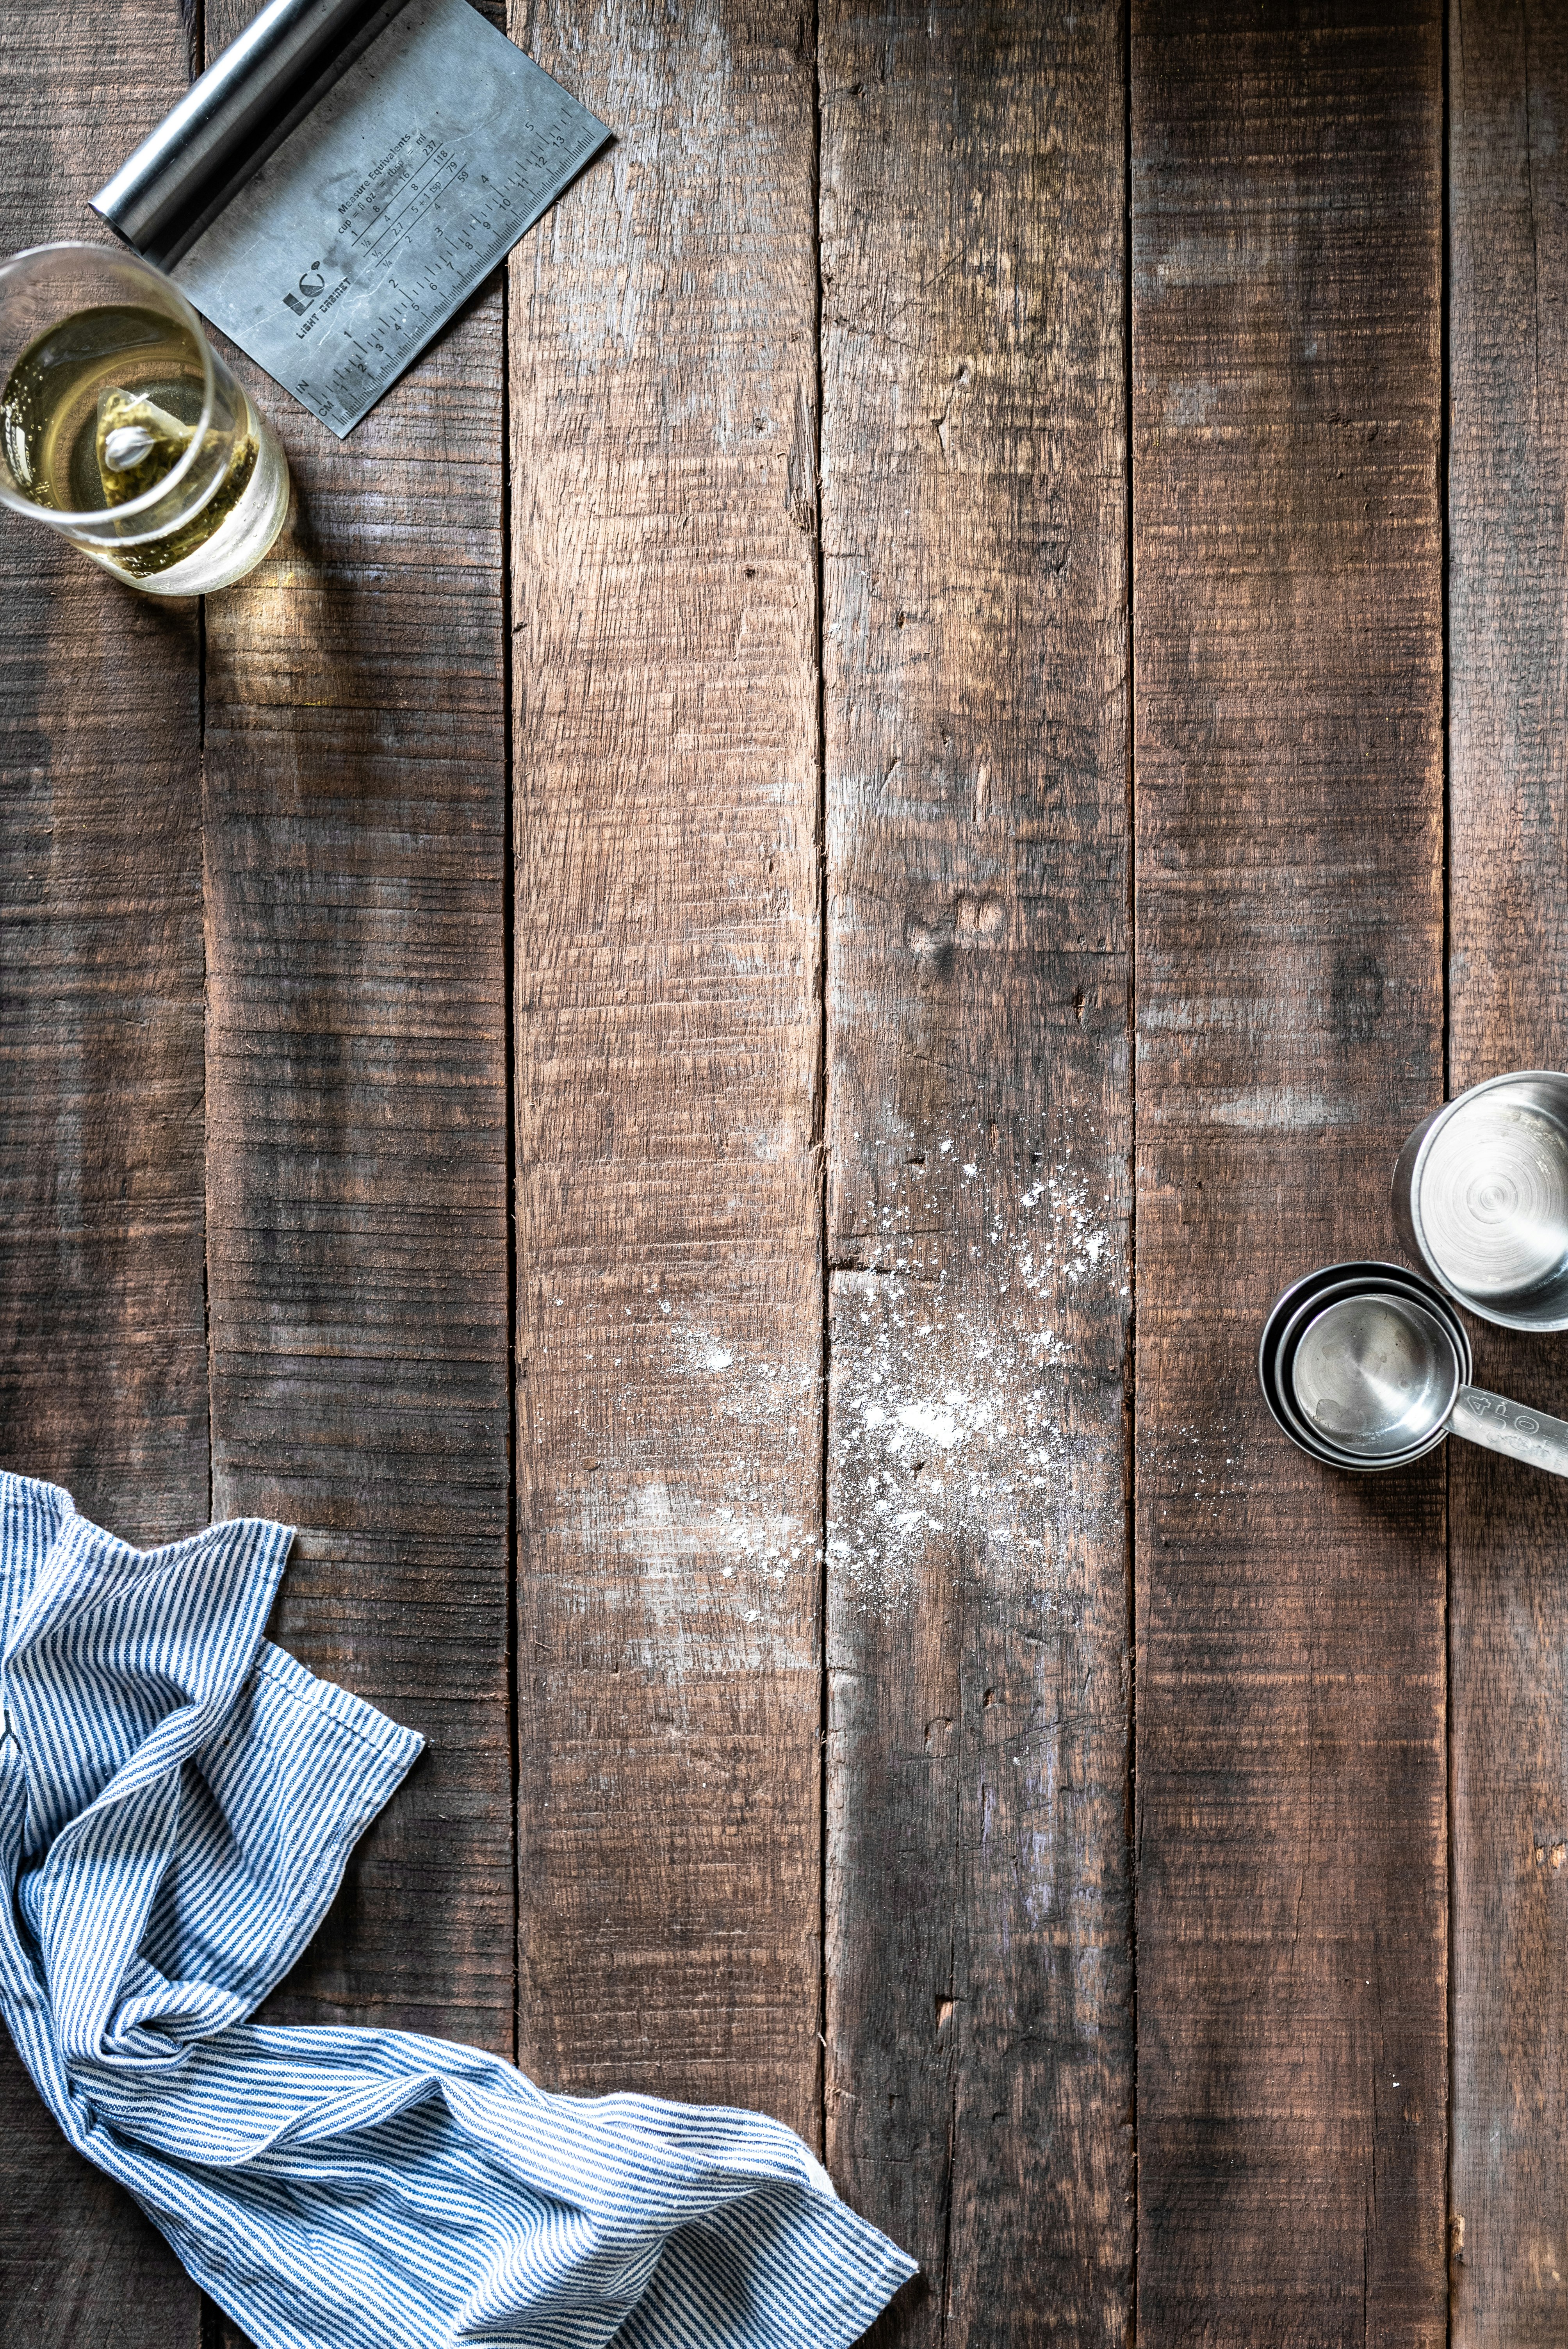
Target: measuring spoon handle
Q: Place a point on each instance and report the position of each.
(1504, 1426)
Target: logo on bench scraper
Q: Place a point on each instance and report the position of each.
(311, 284)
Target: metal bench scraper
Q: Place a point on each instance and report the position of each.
(340, 181)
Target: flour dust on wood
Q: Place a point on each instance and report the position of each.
(953, 1367)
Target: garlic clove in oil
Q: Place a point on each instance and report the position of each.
(138, 443)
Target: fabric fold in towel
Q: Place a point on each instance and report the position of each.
(177, 1801)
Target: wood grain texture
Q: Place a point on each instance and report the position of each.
(103, 1356)
(1507, 497)
(669, 1299)
(1288, 686)
(973, 512)
(355, 832)
(103, 1374)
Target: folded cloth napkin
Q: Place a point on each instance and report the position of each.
(177, 1800)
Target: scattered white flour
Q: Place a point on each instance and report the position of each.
(975, 1374)
(1196, 1463)
(974, 1408)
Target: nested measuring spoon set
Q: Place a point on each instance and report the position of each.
(1367, 1366)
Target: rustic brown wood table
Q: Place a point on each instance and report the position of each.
(697, 1029)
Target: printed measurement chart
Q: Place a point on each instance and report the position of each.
(381, 231)
(386, 208)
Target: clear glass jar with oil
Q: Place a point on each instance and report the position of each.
(121, 428)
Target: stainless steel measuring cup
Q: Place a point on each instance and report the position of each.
(1368, 1372)
(1303, 1302)
(1481, 1192)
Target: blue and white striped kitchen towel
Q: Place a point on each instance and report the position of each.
(178, 1799)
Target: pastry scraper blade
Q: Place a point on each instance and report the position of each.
(341, 180)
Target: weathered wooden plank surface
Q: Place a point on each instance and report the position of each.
(103, 1368)
(668, 1296)
(1508, 486)
(1286, 226)
(669, 1030)
(103, 1382)
(356, 827)
(974, 514)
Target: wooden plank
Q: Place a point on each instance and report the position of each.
(103, 1366)
(1508, 481)
(668, 1299)
(103, 1380)
(356, 828)
(974, 503)
(1286, 236)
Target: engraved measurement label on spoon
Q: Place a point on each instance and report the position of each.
(385, 209)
